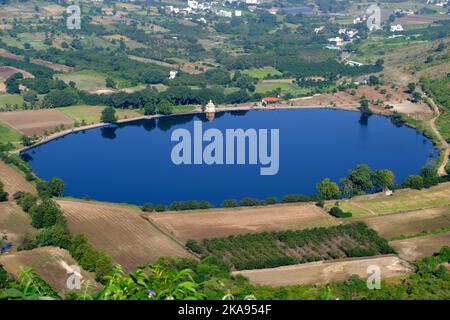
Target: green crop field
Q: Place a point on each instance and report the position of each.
(405, 200)
(261, 73)
(8, 135)
(10, 99)
(92, 114)
(84, 80)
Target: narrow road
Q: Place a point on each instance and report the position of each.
(441, 170)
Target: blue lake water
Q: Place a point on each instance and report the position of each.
(132, 162)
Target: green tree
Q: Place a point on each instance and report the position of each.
(328, 189)
(358, 181)
(46, 214)
(414, 182)
(110, 83)
(109, 115)
(383, 179)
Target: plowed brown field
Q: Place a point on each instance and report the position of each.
(225, 222)
(119, 230)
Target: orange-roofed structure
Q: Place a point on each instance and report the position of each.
(269, 100)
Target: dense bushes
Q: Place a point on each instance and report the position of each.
(190, 205)
(52, 188)
(3, 193)
(273, 249)
(88, 257)
(427, 178)
(338, 213)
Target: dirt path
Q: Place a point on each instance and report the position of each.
(432, 122)
(327, 271)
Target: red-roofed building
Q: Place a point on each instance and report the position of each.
(269, 100)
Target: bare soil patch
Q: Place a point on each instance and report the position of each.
(15, 223)
(31, 122)
(7, 71)
(121, 231)
(415, 248)
(48, 64)
(417, 20)
(410, 223)
(54, 265)
(326, 271)
(13, 180)
(225, 222)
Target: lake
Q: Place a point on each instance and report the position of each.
(131, 162)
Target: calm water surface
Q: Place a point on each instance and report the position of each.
(132, 162)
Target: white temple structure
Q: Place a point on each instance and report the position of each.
(210, 107)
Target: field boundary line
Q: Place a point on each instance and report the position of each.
(167, 233)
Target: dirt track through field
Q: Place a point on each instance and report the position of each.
(51, 264)
(225, 222)
(119, 230)
(327, 271)
(409, 223)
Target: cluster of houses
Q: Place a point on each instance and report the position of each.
(439, 3)
(196, 7)
(345, 36)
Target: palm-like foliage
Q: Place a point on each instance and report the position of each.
(151, 283)
(30, 287)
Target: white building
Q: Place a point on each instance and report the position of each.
(173, 74)
(210, 107)
(224, 13)
(341, 31)
(237, 13)
(396, 28)
(172, 9)
(338, 41)
(252, 1)
(359, 20)
(192, 4)
(354, 63)
(352, 33)
(317, 30)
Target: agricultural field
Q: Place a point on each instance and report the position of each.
(418, 247)
(409, 223)
(84, 80)
(224, 222)
(11, 100)
(14, 180)
(266, 86)
(14, 223)
(119, 230)
(274, 249)
(53, 265)
(6, 72)
(262, 72)
(37, 122)
(400, 201)
(327, 271)
(91, 114)
(8, 135)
